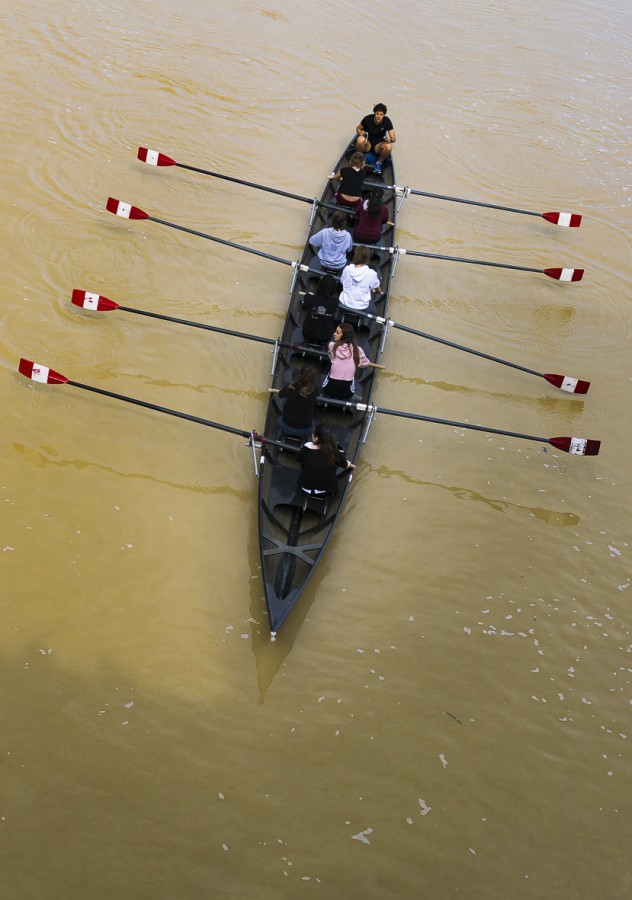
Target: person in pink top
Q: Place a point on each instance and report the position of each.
(346, 358)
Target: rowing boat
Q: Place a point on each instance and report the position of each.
(294, 528)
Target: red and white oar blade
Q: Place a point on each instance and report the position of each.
(575, 445)
(154, 158)
(40, 373)
(566, 383)
(566, 220)
(96, 302)
(565, 274)
(126, 210)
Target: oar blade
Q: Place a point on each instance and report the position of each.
(125, 210)
(566, 383)
(566, 220)
(38, 372)
(89, 300)
(154, 157)
(565, 274)
(576, 446)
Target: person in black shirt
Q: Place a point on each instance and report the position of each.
(320, 311)
(376, 133)
(300, 396)
(320, 460)
(351, 179)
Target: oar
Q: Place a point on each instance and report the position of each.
(154, 158)
(127, 211)
(99, 303)
(575, 445)
(558, 274)
(566, 220)
(564, 382)
(44, 375)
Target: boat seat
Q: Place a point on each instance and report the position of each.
(341, 433)
(316, 503)
(283, 489)
(298, 338)
(316, 265)
(378, 257)
(355, 317)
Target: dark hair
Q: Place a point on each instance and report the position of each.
(380, 107)
(348, 339)
(338, 220)
(361, 256)
(327, 443)
(305, 384)
(374, 204)
(327, 286)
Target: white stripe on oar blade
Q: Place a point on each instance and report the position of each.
(151, 157)
(120, 208)
(39, 373)
(567, 274)
(569, 384)
(578, 446)
(90, 300)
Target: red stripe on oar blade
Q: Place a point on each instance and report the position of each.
(565, 274)
(154, 157)
(566, 220)
(575, 445)
(566, 383)
(88, 300)
(40, 373)
(126, 210)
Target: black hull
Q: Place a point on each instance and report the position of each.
(294, 530)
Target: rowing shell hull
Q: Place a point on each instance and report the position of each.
(294, 530)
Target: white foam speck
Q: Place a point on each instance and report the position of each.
(362, 836)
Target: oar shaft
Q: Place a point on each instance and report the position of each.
(217, 240)
(259, 187)
(524, 212)
(162, 409)
(420, 418)
(215, 328)
(474, 262)
(432, 337)
(303, 348)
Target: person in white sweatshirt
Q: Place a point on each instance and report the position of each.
(333, 242)
(359, 282)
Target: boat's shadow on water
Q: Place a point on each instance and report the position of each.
(270, 655)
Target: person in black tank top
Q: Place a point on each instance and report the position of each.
(351, 179)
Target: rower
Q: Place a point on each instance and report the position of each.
(377, 135)
(320, 460)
